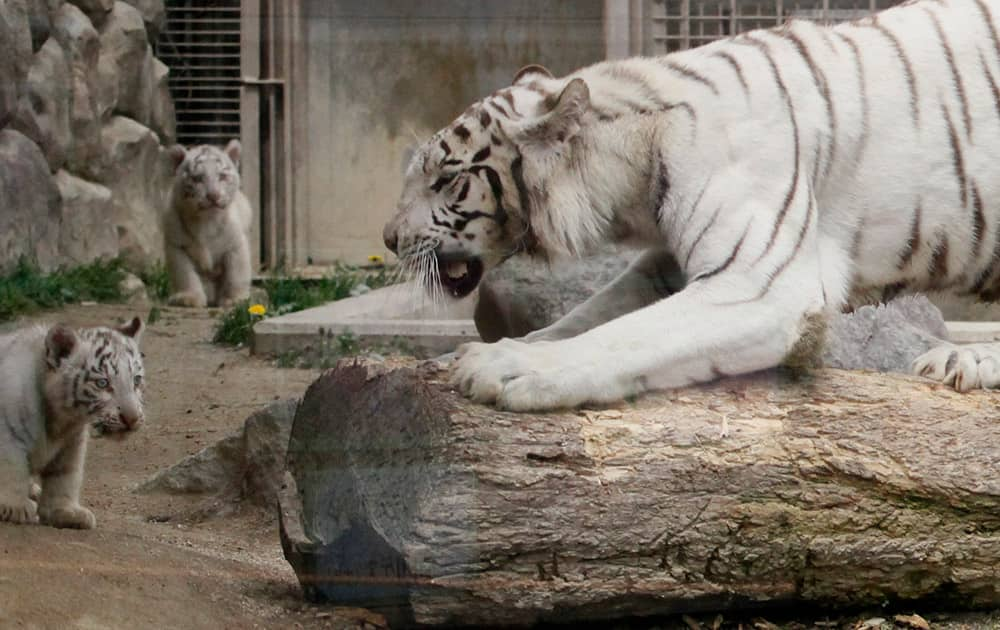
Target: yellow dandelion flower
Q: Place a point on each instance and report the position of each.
(257, 309)
(375, 259)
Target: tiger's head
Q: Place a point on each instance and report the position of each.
(206, 178)
(95, 376)
(468, 192)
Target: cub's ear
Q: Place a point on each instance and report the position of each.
(177, 153)
(233, 151)
(59, 344)
(564, 117)
(132, 329)
(527, 73)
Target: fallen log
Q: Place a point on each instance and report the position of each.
(836, 489)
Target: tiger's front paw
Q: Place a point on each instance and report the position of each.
(965, 367)
(68, 516)
(187, 298)
(18, 510)
(521, 377)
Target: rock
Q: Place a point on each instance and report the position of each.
(97, 11)
(29, 203)
(154, 16)
(74, 32)
(15, 33)
(523, 295)
(44, 114)
(885, 337)
(39, 22)
(139, 174)
(140, 78)
(246, 466)
(86, 234)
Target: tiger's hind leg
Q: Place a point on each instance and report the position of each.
(964, 367)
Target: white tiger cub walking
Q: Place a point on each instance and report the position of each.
(207, 228)
(781, 170)
(54, 383)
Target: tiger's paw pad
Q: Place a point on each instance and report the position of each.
(68, 516)
(21, 511)
(965, 367)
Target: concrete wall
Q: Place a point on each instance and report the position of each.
(381, 75)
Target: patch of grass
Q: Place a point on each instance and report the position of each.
(26, 289)
(156, 279)
(235, 325)
(287, 294)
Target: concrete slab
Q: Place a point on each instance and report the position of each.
(396, 314)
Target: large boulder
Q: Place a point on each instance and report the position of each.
(29, 203)
(154, 15)
(245, 466)
(15, 34)
(97, 11)
(523, 295)
(44, 114)
(77, 36)
(139, 78)
(39, 21)
(139, 174)
(85, 233)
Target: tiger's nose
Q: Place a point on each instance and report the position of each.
(130, 421)
(390, 237)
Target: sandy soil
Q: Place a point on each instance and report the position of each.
(147, 565)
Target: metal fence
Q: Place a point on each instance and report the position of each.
(680, 24)
(201, 44)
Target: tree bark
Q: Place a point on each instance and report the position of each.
(835, 488)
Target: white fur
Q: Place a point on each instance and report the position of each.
(43, 434)
(759, 269)
(208, 247)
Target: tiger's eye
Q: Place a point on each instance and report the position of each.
(102, 383)
(137, 380)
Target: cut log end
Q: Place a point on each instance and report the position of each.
(840, 488)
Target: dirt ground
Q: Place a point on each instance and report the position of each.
(146, 566)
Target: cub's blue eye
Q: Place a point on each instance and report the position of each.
(137, 380)
(102, 383)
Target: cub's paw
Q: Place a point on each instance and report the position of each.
(966, 367)
(517, 376)
(67, 516)
(187, 298)
(20, 510)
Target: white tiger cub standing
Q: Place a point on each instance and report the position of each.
(54, 383)
(207, 228)
(782, 170)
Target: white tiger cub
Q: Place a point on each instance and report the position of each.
(207, 228)
(782, 170)
(54, 383)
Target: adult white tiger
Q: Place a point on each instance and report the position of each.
(784, 170)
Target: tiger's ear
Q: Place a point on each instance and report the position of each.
(177, 153)
(233, 150)
(564, 117)
(132, 329)
(59, 344)
(527, 72)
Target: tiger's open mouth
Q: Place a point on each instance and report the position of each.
(459, 277)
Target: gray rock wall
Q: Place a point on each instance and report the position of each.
(85, 115)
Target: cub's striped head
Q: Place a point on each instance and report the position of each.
(207, 178)
(465, 205)
(96, 376)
